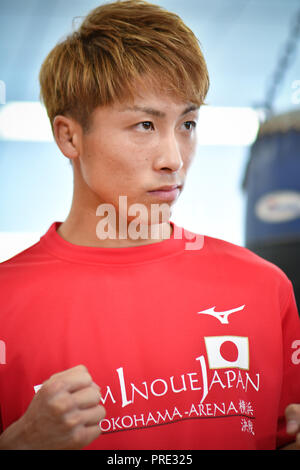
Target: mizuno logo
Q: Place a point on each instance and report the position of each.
(221, 316)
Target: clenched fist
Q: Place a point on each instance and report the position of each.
(292, 414)
(64, 414)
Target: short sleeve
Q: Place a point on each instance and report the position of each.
(290, 390)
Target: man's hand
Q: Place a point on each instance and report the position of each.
(64, 414)
(292, 414)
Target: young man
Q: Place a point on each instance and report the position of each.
(193, 341)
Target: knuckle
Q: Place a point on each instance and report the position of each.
(60, 405)
(61, 382)
(57, 408)
(84, 373)
(82, 368)
(53, 385)
(72, 420)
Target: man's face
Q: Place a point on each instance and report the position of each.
(131, 152)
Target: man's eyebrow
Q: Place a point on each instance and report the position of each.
(157, 113)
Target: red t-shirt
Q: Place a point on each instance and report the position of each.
(192, 348)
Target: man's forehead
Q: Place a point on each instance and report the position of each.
(153, 96)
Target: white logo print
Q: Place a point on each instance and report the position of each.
(221, 316)
(2, 352)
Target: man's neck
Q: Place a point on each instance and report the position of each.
(84, 232)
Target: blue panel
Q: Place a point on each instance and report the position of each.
(35, 186)
(274, 169)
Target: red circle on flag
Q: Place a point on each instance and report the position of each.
(229, 351)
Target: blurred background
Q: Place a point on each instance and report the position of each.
(244, 183)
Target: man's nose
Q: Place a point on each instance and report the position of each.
(170, 155)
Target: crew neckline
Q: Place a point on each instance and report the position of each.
(52, 242)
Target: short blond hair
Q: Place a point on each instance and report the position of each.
(117, 45)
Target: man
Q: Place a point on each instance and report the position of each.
(193, 341)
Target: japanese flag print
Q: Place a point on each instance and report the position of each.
(227, 352)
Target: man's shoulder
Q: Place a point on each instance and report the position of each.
(23, 260)
(34, 254)
(242, 259)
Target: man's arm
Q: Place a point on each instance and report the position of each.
(13, 438)
(64, 414)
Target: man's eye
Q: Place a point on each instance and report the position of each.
(192, 123)
(146, 124)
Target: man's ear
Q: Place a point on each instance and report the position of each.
(67, 134)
